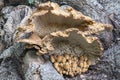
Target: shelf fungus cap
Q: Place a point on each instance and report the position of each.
(73, 41)
(50, 17)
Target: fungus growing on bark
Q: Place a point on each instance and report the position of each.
(68, 64)
(66, 35)
(73, 52)
(49, 17)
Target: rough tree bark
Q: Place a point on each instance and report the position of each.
(19, 64)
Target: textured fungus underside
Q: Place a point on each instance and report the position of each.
(64, 34)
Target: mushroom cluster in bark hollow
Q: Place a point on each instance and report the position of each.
(68, 36)
(71, 65)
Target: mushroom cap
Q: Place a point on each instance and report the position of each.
(50, 17)
(73, 41)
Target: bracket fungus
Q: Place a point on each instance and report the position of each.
(66, 35)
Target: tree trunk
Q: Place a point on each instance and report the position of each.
(16, 63)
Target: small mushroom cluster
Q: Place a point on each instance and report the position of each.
(66, 35)
(70, 65)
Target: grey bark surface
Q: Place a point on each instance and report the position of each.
(19, 64)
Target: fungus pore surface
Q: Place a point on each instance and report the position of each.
(66, 35)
